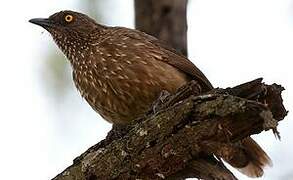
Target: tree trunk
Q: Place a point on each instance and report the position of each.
(164, 19)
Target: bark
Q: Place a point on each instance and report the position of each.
(164, 19)
(169, 141)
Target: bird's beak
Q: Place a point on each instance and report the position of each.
(44, 22)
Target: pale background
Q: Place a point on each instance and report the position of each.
(44, 123)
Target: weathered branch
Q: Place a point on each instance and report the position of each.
(173, 142)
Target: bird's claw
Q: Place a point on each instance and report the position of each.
(161, 99)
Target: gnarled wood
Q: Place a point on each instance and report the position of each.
(172, 141)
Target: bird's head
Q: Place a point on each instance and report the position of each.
(70, 29)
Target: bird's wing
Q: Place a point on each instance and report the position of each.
(168, 54)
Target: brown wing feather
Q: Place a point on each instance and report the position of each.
(171, 56)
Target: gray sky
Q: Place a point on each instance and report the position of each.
(231, 41)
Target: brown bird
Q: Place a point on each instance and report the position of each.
(121, 72)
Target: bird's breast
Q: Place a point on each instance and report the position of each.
(125, 95)
(122, 87)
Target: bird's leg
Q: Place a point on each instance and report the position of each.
(165, 100)
(161, 99)
(117, 131)
(191, 88)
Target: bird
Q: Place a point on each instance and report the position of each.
(120, 72)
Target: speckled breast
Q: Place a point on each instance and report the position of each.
(122, 86)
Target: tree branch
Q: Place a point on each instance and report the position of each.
(173, 141)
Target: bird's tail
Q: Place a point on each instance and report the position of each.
(257, 159)
(248, 157)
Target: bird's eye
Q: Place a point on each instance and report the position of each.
(68, 18)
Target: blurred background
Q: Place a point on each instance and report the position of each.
(45, 124)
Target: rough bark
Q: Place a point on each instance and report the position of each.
(164, 19)
(168, 143)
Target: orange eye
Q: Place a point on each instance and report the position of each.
(68, 18)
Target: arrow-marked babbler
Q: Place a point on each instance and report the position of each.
(121, 72)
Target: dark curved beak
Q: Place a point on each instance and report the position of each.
(44, 22)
